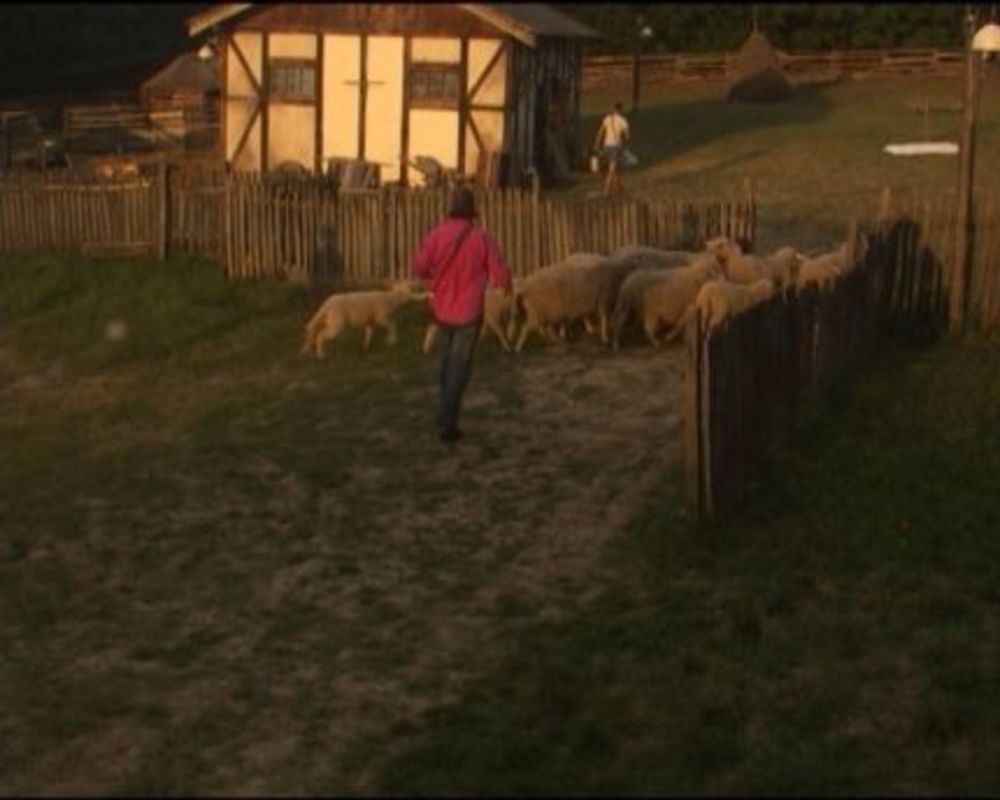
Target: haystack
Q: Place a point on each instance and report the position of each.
(759, 77)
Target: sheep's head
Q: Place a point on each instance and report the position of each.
(723, 248)
(414, 290)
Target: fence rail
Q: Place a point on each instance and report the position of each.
(602, 70)
(305, 229)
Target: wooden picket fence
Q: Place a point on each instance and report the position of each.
(305, 229)
(916, 248)
(65, 212)
(746, 382)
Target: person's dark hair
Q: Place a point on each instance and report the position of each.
(463, 203)
(618, 106)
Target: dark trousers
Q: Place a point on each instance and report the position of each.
(457, 345)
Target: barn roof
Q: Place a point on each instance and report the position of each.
(185, 71)
(526, 22)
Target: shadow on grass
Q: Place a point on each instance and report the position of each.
(671, 129)
(800, 646)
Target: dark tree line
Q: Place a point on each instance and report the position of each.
(43, 39)
(39, 38)
(793, 27)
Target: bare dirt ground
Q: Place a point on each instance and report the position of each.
(517, 514)
(397, 589)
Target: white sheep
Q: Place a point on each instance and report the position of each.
(557, 295)
(745, 268)
(660, 297)
(823, 270)
(629, 300)
(357, 310)
(720, 300)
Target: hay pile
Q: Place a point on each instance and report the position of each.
(759, 77)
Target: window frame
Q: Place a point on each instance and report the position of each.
(435, 102)
(291, 63)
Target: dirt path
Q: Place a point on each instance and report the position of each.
(524, 524)
(370, 600)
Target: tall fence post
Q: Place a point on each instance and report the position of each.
(163, 209)
(691, 419)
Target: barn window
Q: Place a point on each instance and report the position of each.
(434, 86)
(293, 80)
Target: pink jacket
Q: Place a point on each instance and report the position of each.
(458, 286)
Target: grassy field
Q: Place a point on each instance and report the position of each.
(814, 160)
(228, 569)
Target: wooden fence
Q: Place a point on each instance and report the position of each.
(916, 247)
(305, 229)
(58, 213)
(604, 70)
(745, 383)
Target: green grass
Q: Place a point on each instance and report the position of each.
(815, 160)
(225, 568)
(840, 637)
(201, 590)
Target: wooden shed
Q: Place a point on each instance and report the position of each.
(385, 83)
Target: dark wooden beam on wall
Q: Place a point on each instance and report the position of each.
(475, 134)
(246, 131)
(489, 68)
(246, 64)
(404, 167)
(463, 101)
(265, 80)
(318, 83)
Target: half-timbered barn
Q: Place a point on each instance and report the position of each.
(308, 84)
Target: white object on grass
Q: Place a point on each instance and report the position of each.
(923, 149)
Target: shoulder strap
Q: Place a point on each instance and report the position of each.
(458, 246)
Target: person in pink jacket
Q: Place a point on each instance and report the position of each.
(459, 259)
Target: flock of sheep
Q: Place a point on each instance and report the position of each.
(660, 289)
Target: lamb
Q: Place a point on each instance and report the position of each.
(357, 309)
(718, 301)
(822, 271)
(556, 295)
(497, 307)
(661, 296)
(784, 265)
(629, 299)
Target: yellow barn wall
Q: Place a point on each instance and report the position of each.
(438, 50)
(433, 132)
(291, 45)
(291, 135)
(492, 90)
(490, 127)
(241, 101)
(384, 105)
(341, 63)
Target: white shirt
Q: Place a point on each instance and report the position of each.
(614, 127)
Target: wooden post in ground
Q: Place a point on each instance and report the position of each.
(691, 419)
(958, 296)
(163, 211)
